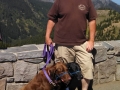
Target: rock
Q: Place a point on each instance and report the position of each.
(2, 84)
(24, 71)
(6, 69)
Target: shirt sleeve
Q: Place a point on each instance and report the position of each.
(92, 15)
(53, 12)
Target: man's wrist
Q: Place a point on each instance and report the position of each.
(47, 36)
(91, 40)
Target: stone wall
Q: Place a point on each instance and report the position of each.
(18, 65)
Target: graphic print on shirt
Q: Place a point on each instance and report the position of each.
(81, 7)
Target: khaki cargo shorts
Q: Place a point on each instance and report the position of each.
(78, 54)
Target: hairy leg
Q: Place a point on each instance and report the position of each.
(85, 84)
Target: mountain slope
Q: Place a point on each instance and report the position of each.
(21, 19)
(108, 25)
(24, 22)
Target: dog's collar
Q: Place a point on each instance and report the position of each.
(71, 73)
(48, 78)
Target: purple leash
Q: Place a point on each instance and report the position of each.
(49, 53)
(49, 56)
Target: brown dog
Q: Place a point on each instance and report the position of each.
(57, 72)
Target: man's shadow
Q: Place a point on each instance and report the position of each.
(75, 83)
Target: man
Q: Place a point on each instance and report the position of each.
(70, 19)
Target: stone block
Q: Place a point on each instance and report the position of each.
(118, 72)
(10, 80)
(118, 59)
(24, 72)
(14, 86)
(40, 46)
(95, 78)
(7, 57)
(116, 46)
(107, 70)
(41, 65)
(98, 43)
(2, 84)
(101, 54)
(107, 79)
(21, 49)
(6, 69)
(111, 52)
(110, 56)
(35, 61)
(30, 55)
(107, 45)
(113, 43)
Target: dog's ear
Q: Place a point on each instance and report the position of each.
(51, 72)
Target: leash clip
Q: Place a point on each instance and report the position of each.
(53, 83)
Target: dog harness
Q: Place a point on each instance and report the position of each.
(74, 72)
(58, 76)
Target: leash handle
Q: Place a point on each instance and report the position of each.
(49, 52)
(46, 47)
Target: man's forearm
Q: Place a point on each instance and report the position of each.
(92, 28)
(49, 28)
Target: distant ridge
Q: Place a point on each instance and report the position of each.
(100, 4)
(48, 0)
(106, 4)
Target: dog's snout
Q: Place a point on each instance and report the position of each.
(67, 79)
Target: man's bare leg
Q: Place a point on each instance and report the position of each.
(85, 84)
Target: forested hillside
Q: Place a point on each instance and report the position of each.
(108, 25)
(23, 21)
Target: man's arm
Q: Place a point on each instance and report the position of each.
(92, 28)
(49, 29)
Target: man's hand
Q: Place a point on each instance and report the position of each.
(48, 40)
(90, 46)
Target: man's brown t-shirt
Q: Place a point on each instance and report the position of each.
(71, 18)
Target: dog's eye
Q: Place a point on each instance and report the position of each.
(59, 69)
(68, 67)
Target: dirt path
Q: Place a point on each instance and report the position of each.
(108, 86)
